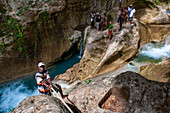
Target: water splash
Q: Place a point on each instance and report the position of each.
(156, 52)
(12, 94)
(153, 52)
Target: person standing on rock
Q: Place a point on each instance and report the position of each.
(110, 29)
(120, 4)
(129, 9)
(121, 18)
(104, 22)
(43, 80)
(132, 13)
(92, 20)
(98, 20)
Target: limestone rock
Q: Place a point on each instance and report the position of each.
(45, 26)
(157, 72)
(140, 94)
(145, 96)
(40, 104)
(87, 96)
(156, 17)
(75, 38)
(102, 56)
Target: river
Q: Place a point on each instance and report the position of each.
(11, 93)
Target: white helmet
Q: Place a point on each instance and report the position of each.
(41, 64)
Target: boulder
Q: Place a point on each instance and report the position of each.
(145, 96)
(128, 91)
(86, 96)
(157, 72)
(40, 104)
(156, 16)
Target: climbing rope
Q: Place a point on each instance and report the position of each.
(58, 95)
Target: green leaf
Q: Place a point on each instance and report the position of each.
(88, 81)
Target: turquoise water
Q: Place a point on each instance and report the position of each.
(13, 92)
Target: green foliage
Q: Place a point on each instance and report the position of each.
(30, 2)
(20, 11)
(87, 81)
(129, 36)
(4, 10)
(26, 8)
(36, 40)
(3, 46)
(84, 44)
(48, 0)
(13, 29)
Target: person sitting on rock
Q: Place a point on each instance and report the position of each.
(43, 80)
(110, 29)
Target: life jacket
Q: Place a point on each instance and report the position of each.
(43, 75)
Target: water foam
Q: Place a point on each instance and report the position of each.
(12, 94)
(155, 52)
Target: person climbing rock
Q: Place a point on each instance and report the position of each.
(43, 80)
(98, 20)
(111, 26)
(132, 13)
(104, 21)
(121, 18)
(92, 20)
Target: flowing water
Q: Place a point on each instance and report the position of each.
(81, 46)
(13, 92)
(150, 53)
(153, 52)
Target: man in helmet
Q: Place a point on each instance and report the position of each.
(43, 80)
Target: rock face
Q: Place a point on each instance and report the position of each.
(34, 31)
(145, 96)
(87, 96)
(101, 56)
(154, 24)
(142, 95)
(40, 104)
(157, 72)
